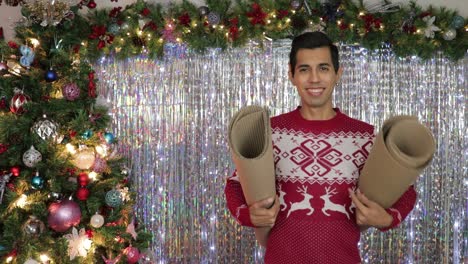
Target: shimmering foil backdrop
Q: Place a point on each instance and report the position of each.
(171, 116)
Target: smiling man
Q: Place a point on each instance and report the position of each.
(319, 151)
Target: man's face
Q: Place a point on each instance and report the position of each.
(315, 77)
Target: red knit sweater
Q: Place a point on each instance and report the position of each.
(316, 162)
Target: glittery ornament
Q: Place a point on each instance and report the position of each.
(83, 179)
(457, 22)
(27, 56)
(82, 193)
(87, 134)
(113, 28)
(203, 10)
(54, 196)
(50, 76)
(124, 26)
(4, 179)
(132, 253)
(213, 18)
(100, 165)
(32, 157)
(37, 182)
(109, 138)
(91, 4)
(449, 34)
(296, 4)
(63, 215)
(84, 159)
(33, 227)
(113, 198)
(71, 91)
(147, 256)
(17, 102)
(47, 129)
(97, 220)
(15, 170)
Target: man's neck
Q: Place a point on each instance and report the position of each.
(317, 114)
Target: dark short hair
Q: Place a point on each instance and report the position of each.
(313, 40)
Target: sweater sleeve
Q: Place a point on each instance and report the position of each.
(236, 201)
(401, 208)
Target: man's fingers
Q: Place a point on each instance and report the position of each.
(364, 200)
(357, 202)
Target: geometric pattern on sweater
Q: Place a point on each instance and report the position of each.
(336, 157)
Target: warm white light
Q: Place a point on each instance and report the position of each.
(139, 32)
(92, 176)
(9, 259)
(361, 13)
(101, 150)
(70, 148)
(34, 42)
(22, 201)
(44, 258)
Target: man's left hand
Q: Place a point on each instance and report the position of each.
(370, 213)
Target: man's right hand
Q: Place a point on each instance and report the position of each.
(263, 213)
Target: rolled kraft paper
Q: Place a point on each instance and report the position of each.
(402, 149)
(252, 152)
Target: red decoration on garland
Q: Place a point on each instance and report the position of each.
(185, 20)
(91, 4)
(82, 193)
(12, 44)
(145, 12)
(257, 16)
(15, 170)
(99, 32)
(3, 148)
(234, 29)
(89, 233)
(151, 25)
(370, 21)
(91, 85)
(115, 11)
(83, 179)
(282, 13)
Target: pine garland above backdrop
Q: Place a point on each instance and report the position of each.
(145, 28)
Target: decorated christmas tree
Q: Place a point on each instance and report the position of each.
(64, 188)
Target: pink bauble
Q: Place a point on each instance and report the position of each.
(100, 165)
(63, 215)
(132, 253)
(71, 91)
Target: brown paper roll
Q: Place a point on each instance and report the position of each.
(402, 149)
(252, 152)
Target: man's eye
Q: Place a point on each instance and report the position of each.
(324, 68)
(303, 69)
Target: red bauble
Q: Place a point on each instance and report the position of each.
(3, 148)
(91, 5)
(15, 170)
(83, 179)
(17, 102)
(63, 215)
(132, 253)
(82, 193)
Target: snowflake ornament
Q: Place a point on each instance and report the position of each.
(78, 243)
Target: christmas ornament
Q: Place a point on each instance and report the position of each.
(3, 67)
(83, 179)
(48, 13)
(37, 182)
(78, 243)
(50, 75)
(27, 56)
(84, 159)
(124, 26)
(131, 229)
(449, 34)
(113, 28)
(3, 103)
(4, 179)
(15, 170)
(430, 30)
(109, 137)
(91, 4)
(82, 193)
(203, 10)
(457, 22)
(100, 165)
(63, 215)
(32, 157)
(113, 198)
(87, 134)
(97, 220)
(110, 260)
(296, 4)
(213, 18)
(3, 148)
(18, 101)
(71, 91)
(33, 227)
(47, 129)
(31, 261)
(54, 196)
(147, 257)
(132, 253)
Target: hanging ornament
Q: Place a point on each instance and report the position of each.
(4, 179)
(32, 157)
(147, 256)
(113, 198)
(63, 215)
(203, 11)
(296, 4)
(33, 227)
(109, 138)
(54, 196)
(449, 34)
(71, 91)
(133, 254)
(78, 243)
(15, 170)
(50, 75)
(87, 134)
(82, 193)
(113, 28)
(18, 101)
(213, 18)
(83, 179)
(47, 129)
(457, 22)
(100, 165)
(84, 159)
(27, 57)
(37, 182)
(97, 220)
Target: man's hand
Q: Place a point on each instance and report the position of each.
(369, 213)
(263, 213)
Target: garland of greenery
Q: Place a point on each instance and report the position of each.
(143, 27)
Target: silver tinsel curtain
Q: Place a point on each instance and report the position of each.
(171, 117)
